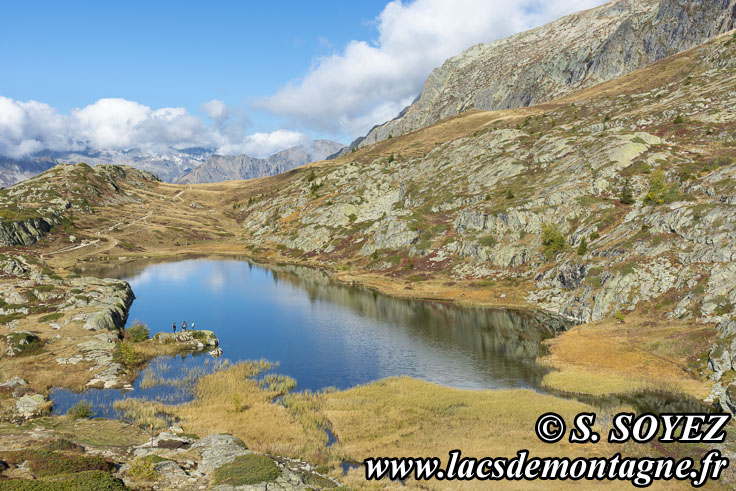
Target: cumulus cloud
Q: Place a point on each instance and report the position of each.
(370, 82)
(216, 110)
(264, 144)
(29, 127)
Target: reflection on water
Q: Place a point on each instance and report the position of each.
(325, 334)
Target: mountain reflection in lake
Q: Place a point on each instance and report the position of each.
(325, 334)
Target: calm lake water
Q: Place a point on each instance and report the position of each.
(322, 333)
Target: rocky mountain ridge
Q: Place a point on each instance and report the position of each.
(614, 199)
(173, 165)
(235, 167)
(574, 52)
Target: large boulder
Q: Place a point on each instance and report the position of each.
(218, 450)
(30, 406)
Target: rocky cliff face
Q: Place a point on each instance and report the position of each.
(234, 167)
(618, 196)
(571, 53)
(24, 232)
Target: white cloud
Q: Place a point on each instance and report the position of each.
(216, 110)
(264, 144)
(29, 127)
(369, 83)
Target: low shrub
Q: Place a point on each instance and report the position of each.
(488, 241)
(552, 239)
(65, 445)
(143, 469)
(583, 247)
(137, 333)
(125, 354)
(627, 195)
(51, 317)
(44, 463)
(81, 481)
(24, 343)
(81, 410)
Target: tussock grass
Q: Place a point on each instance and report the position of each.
(157, 374)
(402, 416)
(307, 408)
(262, 424)
(145, 413)
(82, 409)
(232, 399)
(607, 357)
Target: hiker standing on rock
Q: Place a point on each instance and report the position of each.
(183, 325)
(192, 325)
(174, 327)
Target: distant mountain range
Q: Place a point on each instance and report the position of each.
(174, 165)
(232, 167)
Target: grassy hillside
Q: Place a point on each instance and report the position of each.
(614, 206)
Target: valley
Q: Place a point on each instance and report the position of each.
(474, 210)
(574, 254)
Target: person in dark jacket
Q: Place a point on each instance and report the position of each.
(183, 325)
(174, 326)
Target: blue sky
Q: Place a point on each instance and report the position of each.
(238, 77)
(163, 53)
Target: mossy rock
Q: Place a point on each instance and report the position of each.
(23, 343)
(247, 469)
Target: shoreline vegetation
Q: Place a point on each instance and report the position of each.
(230, 401)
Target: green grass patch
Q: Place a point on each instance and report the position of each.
(488, 241)
(82, 481)
(247, 469)
(51, 317)
(44, 463)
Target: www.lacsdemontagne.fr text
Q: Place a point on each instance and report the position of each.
(551, 428)
(641, 472)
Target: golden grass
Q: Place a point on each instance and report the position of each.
(231, 400)
(95, 432)
(609, 357)
(408, 417)
(258, 421)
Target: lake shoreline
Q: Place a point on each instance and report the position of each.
(459, 294)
